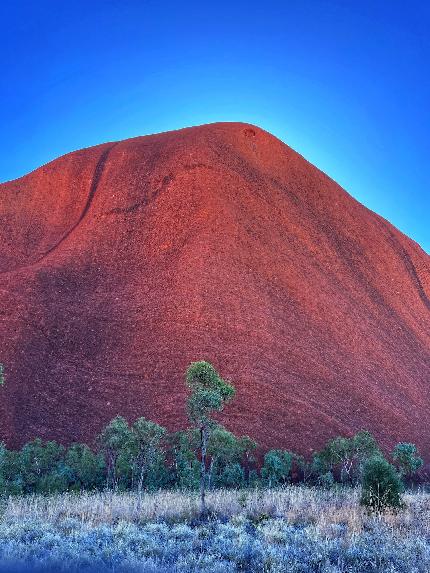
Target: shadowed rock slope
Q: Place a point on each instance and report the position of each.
(122, 263)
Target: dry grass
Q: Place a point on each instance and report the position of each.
(295, 529)
(298, 505)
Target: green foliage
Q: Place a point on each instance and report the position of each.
(209, 392)
(116, 441)
(248, 447)
(1, 374)
(253, 479)
(344, 457)
(326, 480)
(381, 485)
(144, 457)
(134, 456)
(186, 466)
(304, 467)
(406, 458)
(231, 476)
(148, 459)
(10, 471)
(277, 467)
(225, 451)
(86, 469)
(116, 435)
(42, 467)
(223, 446)
(364, 445)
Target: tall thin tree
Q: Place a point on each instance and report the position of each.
(209, 394)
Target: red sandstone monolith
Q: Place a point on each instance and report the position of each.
(121, 264)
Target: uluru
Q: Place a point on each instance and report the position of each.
(122, 263)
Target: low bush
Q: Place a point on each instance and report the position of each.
(406, 458)
(381, 486)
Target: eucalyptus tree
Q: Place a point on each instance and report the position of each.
(345, 457)
(115, 441)
(277, 467)
(184, 446)
(407, 459)
(208, 395)
(148, 458)
(381, 485)
(224, 450)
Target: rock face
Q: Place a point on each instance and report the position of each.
(122, 263)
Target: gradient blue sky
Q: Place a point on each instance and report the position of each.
(345, 83)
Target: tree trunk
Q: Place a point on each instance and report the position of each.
(211, 467)
(111, 475)
(141, 478)
(140, 488)
(203, 445)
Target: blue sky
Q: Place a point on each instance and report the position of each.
(345, 83)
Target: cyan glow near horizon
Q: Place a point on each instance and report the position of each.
(346, 84)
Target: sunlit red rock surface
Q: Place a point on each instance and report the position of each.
(122, 263)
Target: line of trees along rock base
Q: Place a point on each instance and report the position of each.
(143, 456)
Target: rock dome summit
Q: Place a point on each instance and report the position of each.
(122, 263)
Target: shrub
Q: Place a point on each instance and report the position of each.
(277, 467)
(381, 485)
(344, 457)
(86, 470)
(10, 471)
(326, 480)
(42, 467)
(248, 447)
(231, 476)
(185, 465)
(304, 469)
(224, 450)
(148, 458)
(115, 442)
(406, 458)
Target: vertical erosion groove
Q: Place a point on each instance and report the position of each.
(410, 267)
(98, 172)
